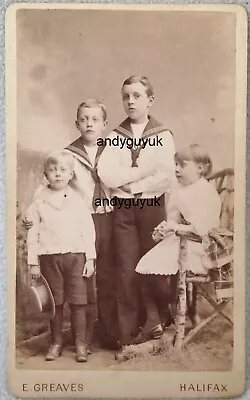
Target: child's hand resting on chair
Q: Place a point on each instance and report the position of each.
(163, 229)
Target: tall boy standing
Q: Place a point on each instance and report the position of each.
(91, 122)
(137, 172)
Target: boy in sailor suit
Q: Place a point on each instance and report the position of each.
(144, 172)
(91, 122)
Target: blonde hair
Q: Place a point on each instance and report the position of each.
(198, 154)
(56, 156)
(92, 103)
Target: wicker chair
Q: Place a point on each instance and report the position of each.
(189, 284)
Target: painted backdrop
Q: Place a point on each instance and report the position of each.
(65, 57)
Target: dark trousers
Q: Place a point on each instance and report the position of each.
(106, 278)
(133, 229)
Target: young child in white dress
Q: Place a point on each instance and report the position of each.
(194, 206)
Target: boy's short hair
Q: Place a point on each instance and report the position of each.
(93, 103)
(198, 154)
(55, 157)
(143, 80)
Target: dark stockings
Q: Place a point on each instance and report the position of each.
(56, 325)
(159, 297)
(78, 320)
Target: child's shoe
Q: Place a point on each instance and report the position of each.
(81, 352)
(54, 352)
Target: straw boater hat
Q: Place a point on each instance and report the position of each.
(42, 298)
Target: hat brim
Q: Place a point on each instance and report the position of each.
(38, 290)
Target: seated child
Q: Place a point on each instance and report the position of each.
(194, 206)
(61, 247)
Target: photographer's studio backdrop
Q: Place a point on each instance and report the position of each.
(67, 56)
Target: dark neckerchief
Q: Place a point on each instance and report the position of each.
(153, 128)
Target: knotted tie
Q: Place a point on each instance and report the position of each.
(134, 155)
(98, 191)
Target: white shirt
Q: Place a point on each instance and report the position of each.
(60, 225)
(91, 150)
(138, 129)
(152, 177)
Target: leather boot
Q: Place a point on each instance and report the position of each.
(56, 323)
(78, 318)
(81, 352)
(54, 352)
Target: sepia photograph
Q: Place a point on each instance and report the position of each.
(126, 131)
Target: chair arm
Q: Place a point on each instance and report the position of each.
(199, 279)
(189, 236)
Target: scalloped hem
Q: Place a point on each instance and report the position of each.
(170, 273)
(156, 273)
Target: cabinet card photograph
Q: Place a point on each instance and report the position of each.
(126, 164)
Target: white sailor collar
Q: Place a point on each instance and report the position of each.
(56, 198)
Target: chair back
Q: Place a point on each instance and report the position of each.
(224, 182)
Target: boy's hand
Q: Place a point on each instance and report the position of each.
(88, 269)
(27, 223)
(35, 271)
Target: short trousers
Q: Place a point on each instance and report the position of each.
(63, 273)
